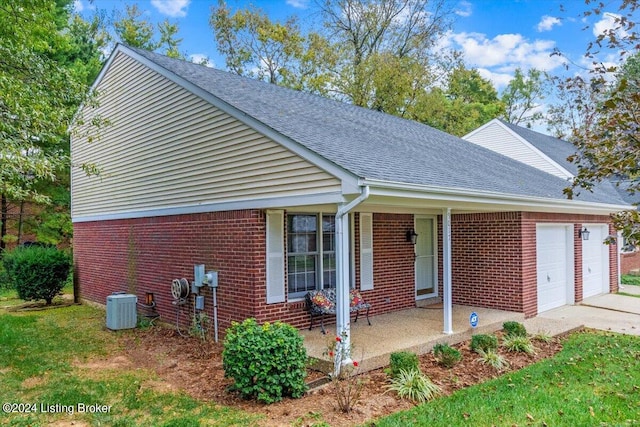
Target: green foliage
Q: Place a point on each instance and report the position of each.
(597, 372)
(628, 279)
(543, 336)
(518, 343)
(37, 272)
(402, 361)
(446, 355)
(267, 362)
(415, 386)
(493, 359)
(484, 343)
(514, 328)
(523, 96)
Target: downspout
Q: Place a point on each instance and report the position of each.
(343, 324)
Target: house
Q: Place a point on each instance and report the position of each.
(550, 155)
(282, 192)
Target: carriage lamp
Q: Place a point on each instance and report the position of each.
(412, 236)
(584, 233)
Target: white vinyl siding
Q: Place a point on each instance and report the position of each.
(366, 251)
(275, 257)
(496, 137)
(169, 148)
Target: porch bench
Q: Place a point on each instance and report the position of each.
(321, 303)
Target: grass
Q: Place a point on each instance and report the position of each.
(41, 355)
(594, 380)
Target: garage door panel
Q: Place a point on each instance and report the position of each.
(552, 255)
(595, 262)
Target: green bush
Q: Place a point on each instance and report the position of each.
(493, 359)
(484, 342)
(37, 272)
(267, 362)
(414, 385)
(403, 361)
(519, 344)
(446, 355)
(514, 329)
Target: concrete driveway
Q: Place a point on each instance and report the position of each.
(609, 312)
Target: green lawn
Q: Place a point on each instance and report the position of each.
(594, 381)
(40, 365)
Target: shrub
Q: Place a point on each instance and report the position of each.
(446, 355)
(37, 272)
(514, 329)
(347, 385)
(484, 343)
(516, 343)
(543, 336)
(414, 385)
(267, 362)
(403, 361)
(493, 359)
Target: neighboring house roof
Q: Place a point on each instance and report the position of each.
(365, 144)
(542, 151)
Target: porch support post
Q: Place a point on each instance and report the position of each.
(343, 279)
(343, 319)
(446, 271)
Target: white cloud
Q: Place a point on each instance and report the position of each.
(78, 6)
(172, 8)
(464, 9)
(298, 4)
(497, 58)
(608, 23)
(201, 58)
(547, 23)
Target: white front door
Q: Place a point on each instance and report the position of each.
(426, 265)
(595, 262)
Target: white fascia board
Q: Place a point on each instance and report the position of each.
(349, 180)
(267, 203)
(499, 200)
(533, 148)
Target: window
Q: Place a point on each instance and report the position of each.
(311, 256)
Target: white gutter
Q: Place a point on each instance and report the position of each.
(343, 320)
(401, 189)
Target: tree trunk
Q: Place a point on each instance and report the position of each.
(4, 208)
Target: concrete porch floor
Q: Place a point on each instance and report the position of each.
(416, 330)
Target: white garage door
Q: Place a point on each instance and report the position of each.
(554, 250)
(595, 261)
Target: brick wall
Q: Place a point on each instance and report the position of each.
(629, 261)
(144, 255)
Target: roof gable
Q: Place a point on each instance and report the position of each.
(358, 142)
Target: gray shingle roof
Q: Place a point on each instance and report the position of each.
(559, 150)
(370, 144)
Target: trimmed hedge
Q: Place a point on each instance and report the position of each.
(37, 272)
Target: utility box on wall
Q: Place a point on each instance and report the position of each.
(121, 311)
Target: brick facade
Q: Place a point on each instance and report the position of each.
(629, 261)
(493, 256)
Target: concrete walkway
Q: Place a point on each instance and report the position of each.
(609, 312)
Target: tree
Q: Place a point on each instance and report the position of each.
(135, 31)
(46, 63)
(523, 95)
(466, 103)
(255, 46)
(386, 49)
(608, 145)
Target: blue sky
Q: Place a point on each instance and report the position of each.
(496, 36)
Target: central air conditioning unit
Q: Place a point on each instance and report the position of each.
(121, 311)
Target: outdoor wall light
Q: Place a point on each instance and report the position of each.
(584, 233)
(412, 237)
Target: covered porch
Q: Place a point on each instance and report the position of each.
(416, 330)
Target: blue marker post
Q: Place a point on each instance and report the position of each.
(473, 319)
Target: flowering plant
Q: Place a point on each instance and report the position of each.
(346, 384)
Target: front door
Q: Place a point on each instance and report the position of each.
(425, 258)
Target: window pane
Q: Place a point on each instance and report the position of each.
(328, 233)
(329, 270)
(301, 273)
